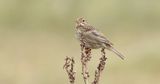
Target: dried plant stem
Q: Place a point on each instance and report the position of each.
(69, 67)
(85, 58)
(100, 67)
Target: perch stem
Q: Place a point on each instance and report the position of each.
(85, 58)
(69, 67)
(100, 67)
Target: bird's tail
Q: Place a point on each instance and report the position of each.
(116, 52)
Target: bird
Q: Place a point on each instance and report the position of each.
(92, 38)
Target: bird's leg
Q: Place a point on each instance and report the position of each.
(100, 67)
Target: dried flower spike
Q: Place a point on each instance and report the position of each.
(69, 67)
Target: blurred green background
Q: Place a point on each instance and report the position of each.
(36, 36)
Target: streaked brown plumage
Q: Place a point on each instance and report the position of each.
(92, 38)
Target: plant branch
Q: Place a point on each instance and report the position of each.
(69, 67)
(100, 67)
(85, 58)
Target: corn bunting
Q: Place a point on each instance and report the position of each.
(93, 38)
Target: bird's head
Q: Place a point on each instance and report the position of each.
(81, 23)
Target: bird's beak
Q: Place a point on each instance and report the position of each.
(81, 24)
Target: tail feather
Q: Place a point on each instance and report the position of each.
(117, 53)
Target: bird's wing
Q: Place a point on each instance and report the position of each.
(98, 36)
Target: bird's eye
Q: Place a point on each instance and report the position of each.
(83, 20)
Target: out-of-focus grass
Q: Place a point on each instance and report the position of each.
(35, 37)
(37, 57)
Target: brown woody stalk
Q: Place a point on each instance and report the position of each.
(100, 67)
(85, 58)
(69, 67)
